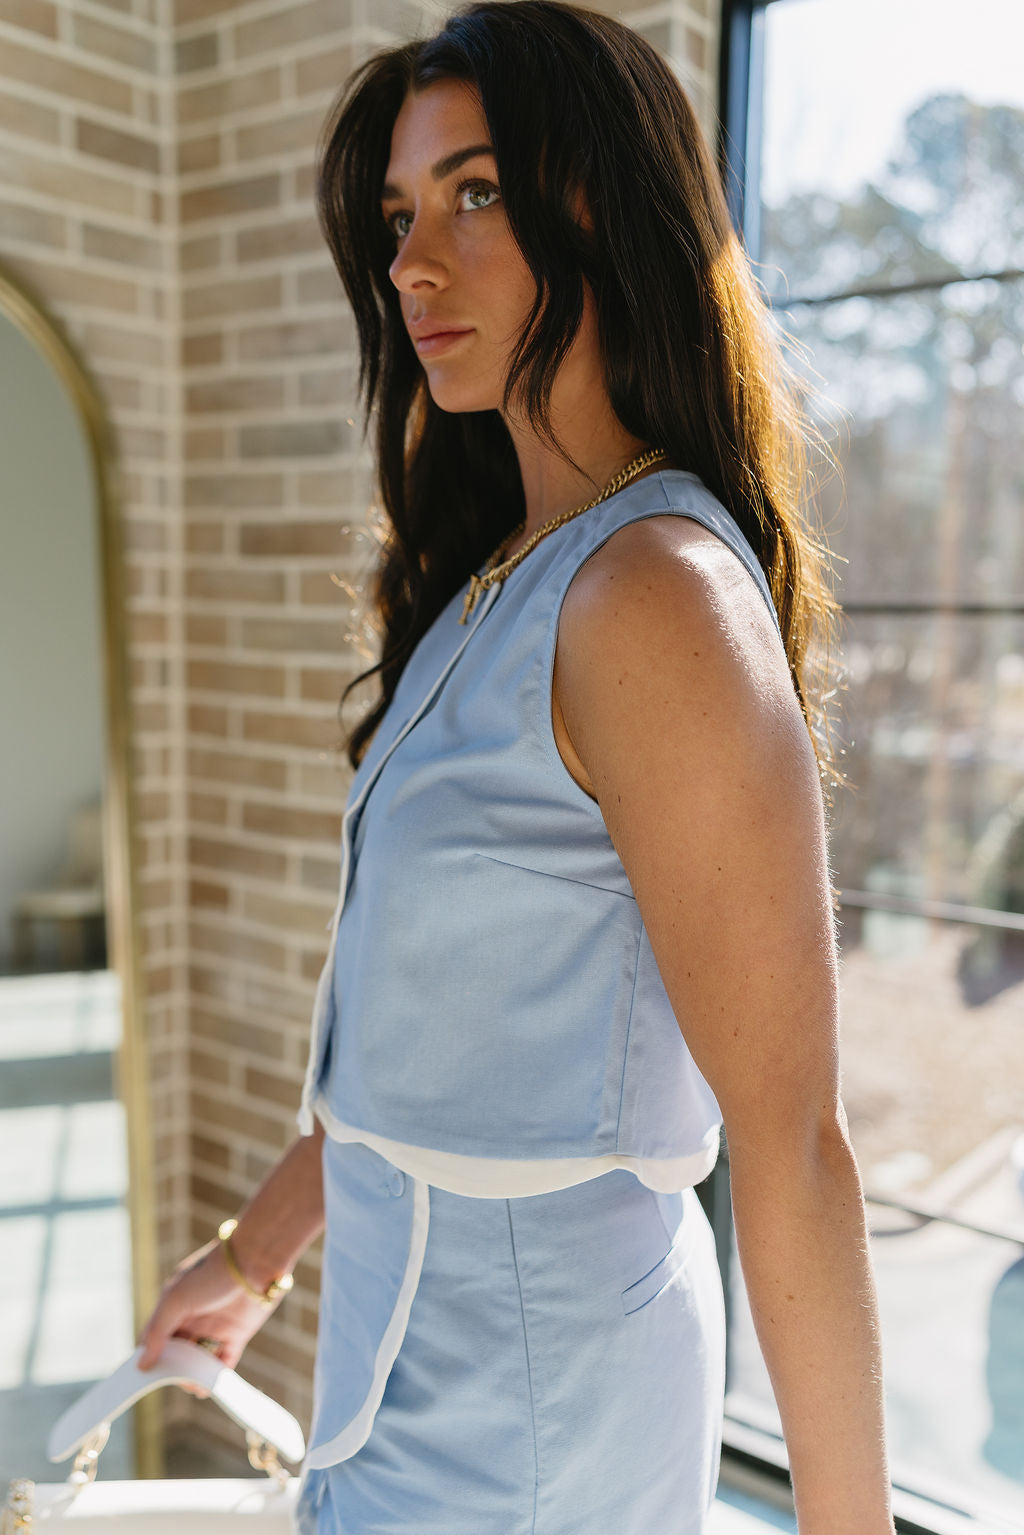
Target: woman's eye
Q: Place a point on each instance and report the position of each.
(474, 190)
(477, 189)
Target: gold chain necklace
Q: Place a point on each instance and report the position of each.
(498, 572)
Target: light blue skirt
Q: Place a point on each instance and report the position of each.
(562, 1371)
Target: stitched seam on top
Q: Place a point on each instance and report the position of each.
(568, 879)
(529, 1376)
(629, 1030)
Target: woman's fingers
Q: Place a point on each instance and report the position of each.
(171, 1311)
(155, 1334)
(184, 1296)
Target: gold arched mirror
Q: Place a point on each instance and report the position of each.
(76, 1208)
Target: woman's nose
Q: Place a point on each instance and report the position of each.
(419, 259)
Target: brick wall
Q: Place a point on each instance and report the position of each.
(156, 187)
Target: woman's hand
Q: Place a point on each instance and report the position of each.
(202, 1300)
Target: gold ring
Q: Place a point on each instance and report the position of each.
(212, 1344)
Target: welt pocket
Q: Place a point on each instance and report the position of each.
(655, 1280)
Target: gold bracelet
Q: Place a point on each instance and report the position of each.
(275, 1288)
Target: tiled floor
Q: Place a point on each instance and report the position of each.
(65, 1288)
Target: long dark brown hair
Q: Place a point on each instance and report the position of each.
(575, 102)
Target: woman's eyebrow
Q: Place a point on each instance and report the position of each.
(443, 167)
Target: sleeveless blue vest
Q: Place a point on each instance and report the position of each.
(490, 991)
(490, 1018)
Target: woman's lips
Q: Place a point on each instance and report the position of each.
(429, 346)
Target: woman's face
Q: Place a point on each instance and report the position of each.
(457, 268)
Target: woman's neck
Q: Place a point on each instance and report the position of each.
(585, 495)
(551, 486)
(587, 427)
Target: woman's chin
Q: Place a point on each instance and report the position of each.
(458, 399)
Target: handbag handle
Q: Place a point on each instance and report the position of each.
(266, 1422)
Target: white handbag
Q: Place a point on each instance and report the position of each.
(207, 1506)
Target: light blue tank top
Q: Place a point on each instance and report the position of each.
(490, 998)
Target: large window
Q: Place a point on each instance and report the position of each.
(874, 151)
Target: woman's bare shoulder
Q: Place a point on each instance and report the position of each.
(665, 593)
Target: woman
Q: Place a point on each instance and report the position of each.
(585, 913)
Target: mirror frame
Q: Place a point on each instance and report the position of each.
(30, 313)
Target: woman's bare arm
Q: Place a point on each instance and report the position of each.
(285, 1214)
(675, 692)
(203, 1299)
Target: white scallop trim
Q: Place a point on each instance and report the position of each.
(357, 1430)
(511, 1178)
